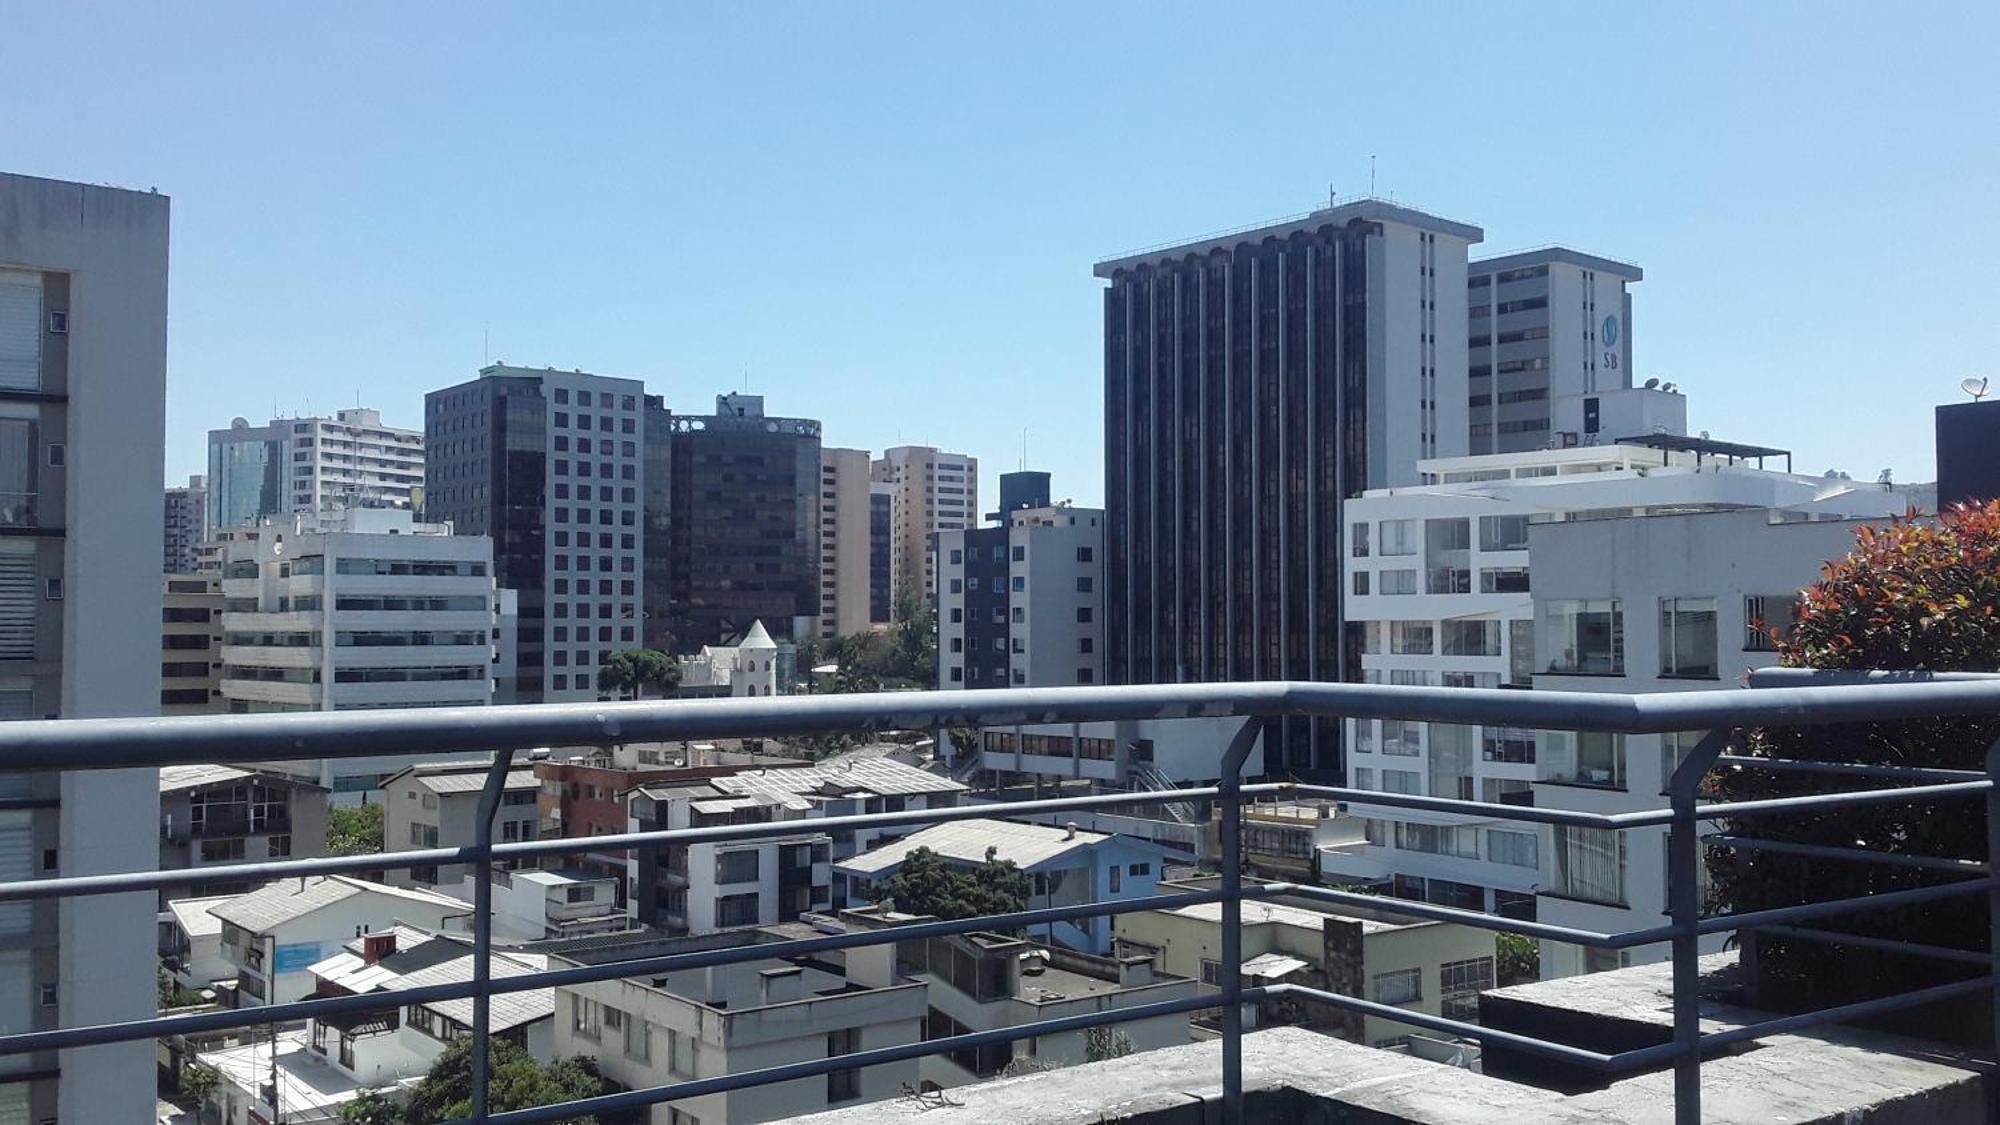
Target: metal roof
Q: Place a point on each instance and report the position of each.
(276, 903)
(510, 1009)
(1025, 845)
(1271, 966)
(193, 915)
(1682, 443)
(878, 776)
(472, 781)
(176, 778)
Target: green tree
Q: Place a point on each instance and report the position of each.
(198, 1083)
(514, 1081)
(636, 669)
(1101, 1043)
(370, 1108)
(926, 884)
(1918, 596)
(1519, 959)
(354, 831)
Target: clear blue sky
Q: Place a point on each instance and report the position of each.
(886, 214)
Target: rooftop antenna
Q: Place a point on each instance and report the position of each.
(486, 344)
(1024, 449)
(1371, 173)
(1974, 386)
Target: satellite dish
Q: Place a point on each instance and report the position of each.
(1652, 383)
(1668, 387)
(1704, 435)
(1976, 387)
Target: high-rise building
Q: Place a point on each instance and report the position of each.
(881, 552)
(562, 471)
(932, 491)
(1251, 383)
(844, 540)
(1544, 324)
(83, 352)
(746, 527)
(187, 525)
(350, 460)
(358, 610)
(1021, 603)
(1968, 453)
(191, 644)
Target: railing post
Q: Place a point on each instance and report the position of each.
(1993, 925)
(482, 926)
(1684, 911)
(1231, 802)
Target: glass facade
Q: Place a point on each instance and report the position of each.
(243, 482)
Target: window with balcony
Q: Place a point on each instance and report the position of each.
(1592, 758)
(1411, 638)
(1471, 638)
(1503, 580)
(1687, 638)
(1583, 637)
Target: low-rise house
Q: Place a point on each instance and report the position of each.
(534, 905)
(191, 942)
(212, 815)
(1437, 968)
(1066, 866)
(727, 1019)
(436, 805)
(273, 936)
(695, 888)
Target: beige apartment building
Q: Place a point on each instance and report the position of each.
(191, 645)
(932, 491)
(844, 556)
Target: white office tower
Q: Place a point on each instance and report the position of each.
(186, 514)
(356, 610)
(1022, 604)
(350, 460)
(1439, 578)
(83, 345)
(933, 492)
(1549, 354)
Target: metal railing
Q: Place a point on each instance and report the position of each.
(504, 731)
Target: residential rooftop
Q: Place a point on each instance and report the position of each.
(976, 840)
(285, 900)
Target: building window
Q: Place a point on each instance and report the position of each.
(1117, 876)
(736, 867)
(1687, 638)
(736, 910)
(1399, 537)
(1403, 986)
(1590, 864)
(1592, 758)
(585, 1017)
(1083, 615)
(1411, 638)
(1361, 583)
(1211, 972)
(1460, 983)
(1359, 540)
(1766, 621)
(1085, 676)
(1399, 582)
(1583, 637)
(1503, 533)
(1515, 849)
(1084, 554)
(843, 1085)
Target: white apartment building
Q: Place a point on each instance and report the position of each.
(435, 804)
(83, 341)
(934, 492)
(1439, 581)
(530, 904)
(697, 888)
(273, 936)
(844, 533)
(355, 610)
(351, 460)
(186, 514)
(1543, 324)
(1021, 604)
(1669, 602)
(728, 1019)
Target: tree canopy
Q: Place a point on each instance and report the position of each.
(515, 1081)
(633, 670)
(354, 831)
(927, 884)
(1916, 595)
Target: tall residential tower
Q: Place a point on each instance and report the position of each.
(931, 491)
(350, 460)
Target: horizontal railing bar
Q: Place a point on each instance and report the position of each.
(1853, 769)
(196, 1023)
(1448, 1026)
(1481, 809)
(1860, 941)
(1818, 801)
(198, 739)
(79, 885)
(1859, 855)
(813, 1068)
(720, 833)
(1723, 923)
(1414, 909)
(1847, 1012)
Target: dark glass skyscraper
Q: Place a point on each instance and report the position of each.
(1251, 383)
(745, 537)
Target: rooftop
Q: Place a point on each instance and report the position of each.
(1340, 212)
(880, 776)
(1539, 255)
(193, 916)
(461, 777)
(175, 779)
(285, 900)
(973, 841)
(306, 1082)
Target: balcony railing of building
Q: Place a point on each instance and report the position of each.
(508, 731)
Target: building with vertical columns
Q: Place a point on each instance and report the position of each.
(187, 525)
(1542, 325)
(844, 541)
(931, 491)
(881, 552)
(567, 473)
(1251, 383)
(83, 353)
